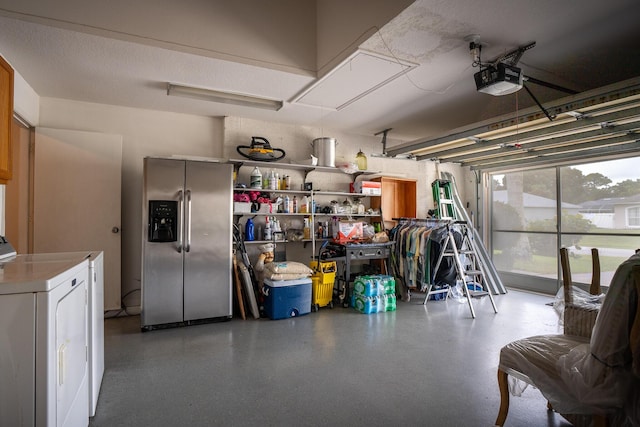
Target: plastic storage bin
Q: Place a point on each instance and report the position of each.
(322, 280)
(287, 298)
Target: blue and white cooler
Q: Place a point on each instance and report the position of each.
(287, 298)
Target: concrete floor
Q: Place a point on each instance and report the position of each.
(420, 366)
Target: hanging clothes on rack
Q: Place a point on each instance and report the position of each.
(412, 258)
(446, 274)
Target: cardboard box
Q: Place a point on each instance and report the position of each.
(349, 230)
(370, 188)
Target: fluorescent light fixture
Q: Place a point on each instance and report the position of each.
(223, 97)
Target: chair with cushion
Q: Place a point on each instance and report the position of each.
(579, 376)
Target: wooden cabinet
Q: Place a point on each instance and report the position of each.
(398, 199)
(6, 116)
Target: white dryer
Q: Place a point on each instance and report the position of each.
(44, 342)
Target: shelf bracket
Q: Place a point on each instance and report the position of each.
(306, 173)
(355, 176)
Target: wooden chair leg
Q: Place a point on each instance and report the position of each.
(504, 398)
(599, 421)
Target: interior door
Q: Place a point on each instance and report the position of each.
(17, 194)
(77, 178)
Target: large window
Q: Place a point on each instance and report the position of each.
(579, 207)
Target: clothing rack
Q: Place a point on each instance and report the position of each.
(432, 255)
(431, 222)
(411, 258)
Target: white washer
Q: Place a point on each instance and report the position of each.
(44, 371)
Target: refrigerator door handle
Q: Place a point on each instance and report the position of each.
(180, 217)
(187, 246)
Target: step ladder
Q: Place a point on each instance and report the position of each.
(469, 269)
(493, 278)
(443, 199)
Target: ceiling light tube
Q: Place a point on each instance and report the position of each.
(223, 97)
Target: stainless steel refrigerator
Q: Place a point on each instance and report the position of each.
(187, 242)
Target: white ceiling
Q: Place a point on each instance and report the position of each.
(120, 53)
